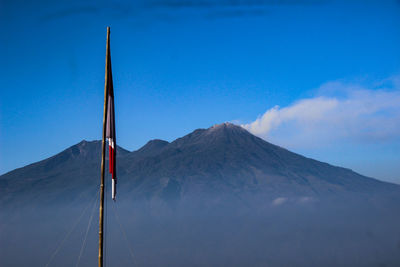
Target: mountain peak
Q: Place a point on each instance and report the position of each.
(226, 127)
(85, 143)
(92, 148)
(84, 147)
(154, 143)
(152, 147)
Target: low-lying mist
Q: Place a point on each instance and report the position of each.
(331, 232)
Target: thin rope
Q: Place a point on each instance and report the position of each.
(68, 234)
(87, 231)
(124, 234)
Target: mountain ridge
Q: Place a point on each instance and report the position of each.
(223, 159)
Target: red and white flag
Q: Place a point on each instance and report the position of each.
(110, 128)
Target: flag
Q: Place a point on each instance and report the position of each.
(110, 127)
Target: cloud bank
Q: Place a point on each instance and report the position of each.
(338, 111)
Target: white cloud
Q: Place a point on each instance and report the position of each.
(338, 111)
(279, 201)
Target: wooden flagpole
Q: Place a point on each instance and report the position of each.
(101, 211)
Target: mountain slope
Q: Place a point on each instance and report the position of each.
(66, 176)
(227, 158)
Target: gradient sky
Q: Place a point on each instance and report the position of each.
(320, 78)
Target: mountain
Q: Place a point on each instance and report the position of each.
(215, 197)
(227, 158)
(222, 160)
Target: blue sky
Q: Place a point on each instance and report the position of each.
(182, 65)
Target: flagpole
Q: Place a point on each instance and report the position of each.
(101, 211)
